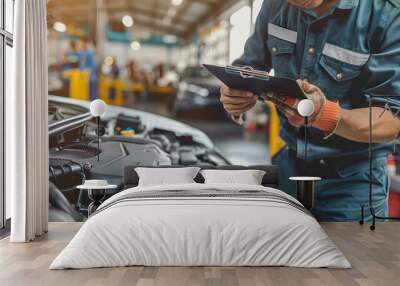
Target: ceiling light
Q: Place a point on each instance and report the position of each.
(109, 60)
(135, 45)
(176, 2)
(127, 21)
(60, 27)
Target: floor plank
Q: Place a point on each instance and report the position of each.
(375, 257)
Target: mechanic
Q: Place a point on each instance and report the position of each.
(343, 50)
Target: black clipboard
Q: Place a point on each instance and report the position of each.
(258, 82)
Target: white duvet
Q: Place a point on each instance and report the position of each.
(204, 231)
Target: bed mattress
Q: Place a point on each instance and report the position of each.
(201, 225)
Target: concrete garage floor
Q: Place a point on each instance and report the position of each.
(238, 146)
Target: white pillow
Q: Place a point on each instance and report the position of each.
(246, 177)
(166, 176)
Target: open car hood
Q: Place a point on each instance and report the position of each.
(149, 120)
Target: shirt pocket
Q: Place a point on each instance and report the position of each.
(339, 68)
(359, 174)
(281, 43)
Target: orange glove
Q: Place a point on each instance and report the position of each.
(326, 115)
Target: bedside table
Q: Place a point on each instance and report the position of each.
(96, 192)
(305, 190)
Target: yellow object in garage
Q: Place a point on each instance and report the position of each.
(110, 87)
(276, 143)
(112, 90)
(162, 89)
(79, 83)
(128, 133)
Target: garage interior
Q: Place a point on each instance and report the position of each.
(174, 36)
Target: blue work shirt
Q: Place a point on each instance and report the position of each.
(350, 52)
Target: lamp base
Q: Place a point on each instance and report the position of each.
(305, 190)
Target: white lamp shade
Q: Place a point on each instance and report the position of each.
(98, 108)
(306, 107)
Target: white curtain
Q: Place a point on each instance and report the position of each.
(26, 124)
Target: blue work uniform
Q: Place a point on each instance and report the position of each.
(88, 62)
(350, 52)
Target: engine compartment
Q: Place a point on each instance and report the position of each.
(125, 139)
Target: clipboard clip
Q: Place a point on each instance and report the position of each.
(247, 72)
(244, 69)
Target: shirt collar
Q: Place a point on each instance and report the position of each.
(347, 4)
(342, 5)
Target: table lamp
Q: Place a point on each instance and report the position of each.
(98, 108)
(306, 108)
(305, 185)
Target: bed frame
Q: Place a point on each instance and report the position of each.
(270, 179)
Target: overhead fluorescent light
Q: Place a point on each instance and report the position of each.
(176, 2)
(135, 45)
(127, 21)
(60, 27)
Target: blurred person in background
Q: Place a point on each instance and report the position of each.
(158, 73)
(113, 74)
(87, 62)
(71, 58)
(136, 80)
(133, 72)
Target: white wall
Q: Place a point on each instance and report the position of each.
(240, 32)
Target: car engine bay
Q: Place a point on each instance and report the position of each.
(125, 139)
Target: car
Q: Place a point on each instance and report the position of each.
(128, 137)
(198, 96)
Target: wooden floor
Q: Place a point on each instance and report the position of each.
(375, 257)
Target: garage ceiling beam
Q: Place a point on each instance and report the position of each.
(151, 13)
(183, 10)
(148, 22)
(206, 2)
(82, 20)
(118, 7)
(159, 28)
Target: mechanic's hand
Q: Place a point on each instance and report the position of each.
(289, 105)
(237, 102)
(326, 115)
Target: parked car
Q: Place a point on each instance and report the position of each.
(198, 96)
(128, 137)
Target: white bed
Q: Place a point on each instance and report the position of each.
(246, 225)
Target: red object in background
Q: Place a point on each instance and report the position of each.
(391, 163)
(394, 204)
(251, 127)
(394, 196)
